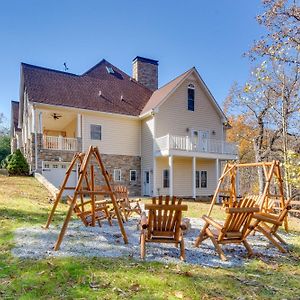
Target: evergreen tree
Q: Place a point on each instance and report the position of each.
(18, 165)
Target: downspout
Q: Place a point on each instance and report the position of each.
(35, 142)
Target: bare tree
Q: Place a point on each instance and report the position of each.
(281, 19)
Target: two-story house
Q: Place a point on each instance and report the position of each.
(168, 140)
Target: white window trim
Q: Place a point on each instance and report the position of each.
(206, 179)
(163, 179)
(191, 86)
(115, 170)
(135, 175)
(101, 132)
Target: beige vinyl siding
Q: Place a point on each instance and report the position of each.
(182, 181)
(174, 117)
(147, 143)
(70, 129)
(161, 164)
(210, 167)
(120, 135)
(182, 176)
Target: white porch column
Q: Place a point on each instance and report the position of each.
(171, 175)
(154, 177)
(79, 133)
(194, 176)
(33, 126)
(217, 174)
(40, 122)
(217, 170)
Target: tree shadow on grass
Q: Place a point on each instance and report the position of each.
(18, 216)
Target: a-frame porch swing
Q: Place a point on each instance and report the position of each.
(266, 201)
(86, 187)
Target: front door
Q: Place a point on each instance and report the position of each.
(146, 183)
(203, 141)
(195, 140)
(200, 140)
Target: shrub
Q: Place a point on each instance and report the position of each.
(17, 164)
(5, 161)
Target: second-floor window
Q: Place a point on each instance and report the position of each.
(96, 133)
(191, 97)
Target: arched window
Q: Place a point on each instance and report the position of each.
(191, 97)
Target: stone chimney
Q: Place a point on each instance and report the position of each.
(145, 71)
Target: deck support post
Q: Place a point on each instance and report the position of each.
(79, 125)
(171, 175)
(194, 176)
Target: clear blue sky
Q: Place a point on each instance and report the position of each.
(211, 35)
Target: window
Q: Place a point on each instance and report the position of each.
(191, 97)
(197, 178)
(166, 179)
(63, 166)
(46, 166)
(204, 179)
(95, 132)
(117, 174)
(55, 166)
(132, 175)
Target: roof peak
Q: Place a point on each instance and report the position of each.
(47, 69)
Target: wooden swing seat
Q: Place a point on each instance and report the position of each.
(268, 224)
(84, 212)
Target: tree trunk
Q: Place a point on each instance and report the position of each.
(258, 158)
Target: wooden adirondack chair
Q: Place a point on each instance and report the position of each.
(83, 211)
(234, 229)
(127, 206)
(163, 224)
(268, 224)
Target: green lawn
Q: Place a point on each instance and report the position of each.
(23, 201)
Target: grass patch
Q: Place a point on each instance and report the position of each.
(24, 202)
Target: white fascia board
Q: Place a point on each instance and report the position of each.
(82, 111)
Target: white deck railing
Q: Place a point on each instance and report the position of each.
(59, 143)
(185, 143)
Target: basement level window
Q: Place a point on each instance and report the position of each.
(96, 132)
(133, 175)
(110, 70)
(117, 174)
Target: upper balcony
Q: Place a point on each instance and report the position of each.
(186, 146)
(60, 143)
(59, 129)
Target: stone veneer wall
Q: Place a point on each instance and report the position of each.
(47, 154)
(125, 163)
(110, 161)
